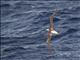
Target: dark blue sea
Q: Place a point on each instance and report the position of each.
(24, 35)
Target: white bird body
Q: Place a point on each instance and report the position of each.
(53, 32)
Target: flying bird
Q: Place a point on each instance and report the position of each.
(51, 30)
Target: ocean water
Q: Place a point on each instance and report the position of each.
(24, 35)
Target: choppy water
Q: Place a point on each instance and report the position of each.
(23, 30)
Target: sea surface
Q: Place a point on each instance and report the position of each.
(24, 35)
